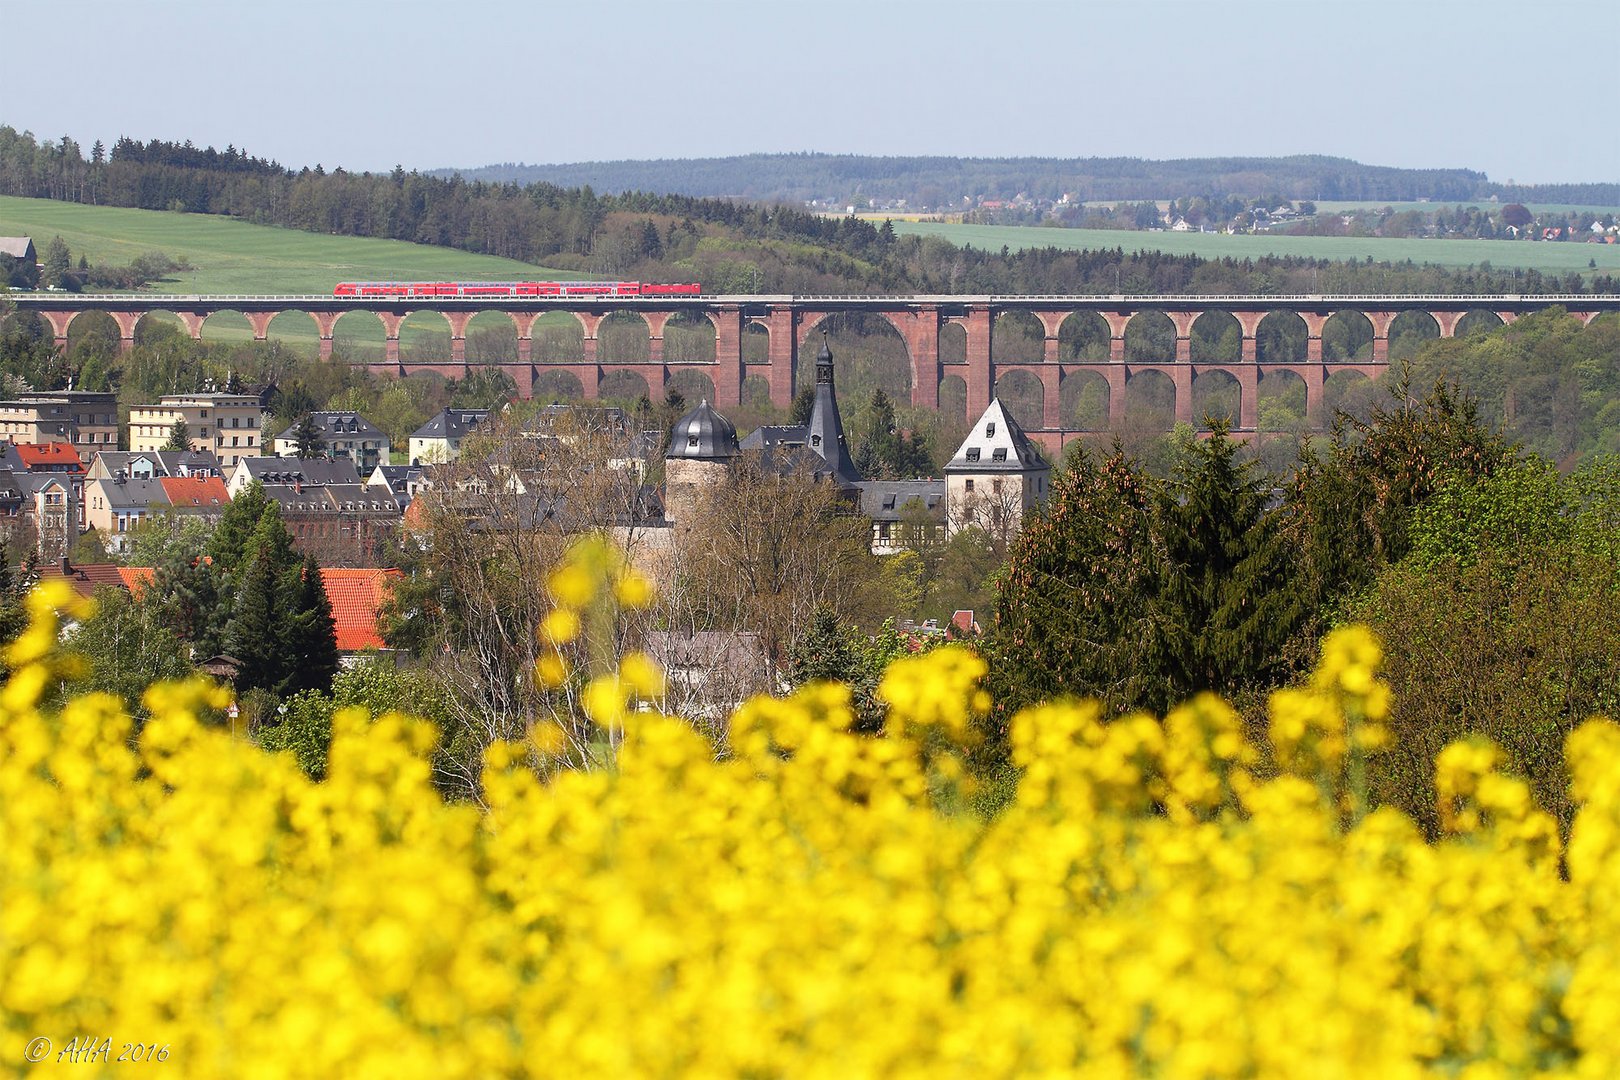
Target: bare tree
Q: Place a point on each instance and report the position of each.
(774, 544)
(493, 525)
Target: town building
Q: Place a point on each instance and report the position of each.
(290, 472)
(117, 504)
(402, 481)
(439, 440)
(996, 477)
(325, 506)
(196, 496)
(701, 448)
(343, 435)
(899, 508)
(86, 420)
(230, 426)
(148, 464)
(52, 458)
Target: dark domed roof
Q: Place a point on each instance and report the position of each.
(702, 435)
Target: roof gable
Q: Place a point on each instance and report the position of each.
(996, 444)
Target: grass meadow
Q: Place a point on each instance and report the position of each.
(233, 256)
(1560, 258)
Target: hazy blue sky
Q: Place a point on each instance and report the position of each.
(1520, 91)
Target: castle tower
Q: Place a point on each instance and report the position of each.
(996, 476)
(701, 446)
(824, 434)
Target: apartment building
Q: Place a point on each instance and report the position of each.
(229, 426)
(86, 420)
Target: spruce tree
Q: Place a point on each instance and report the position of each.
(187, 591)
(1224, 606)
(1075, 606)
(307, 435)
(253, 635)
(310, 642)
(179, 437)
(236, 525)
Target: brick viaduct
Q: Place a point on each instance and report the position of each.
(918, 320)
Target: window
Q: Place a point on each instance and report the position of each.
(815, 440)
(999, 454)
(205, 414)
(883, 530)
(233, 440)
(236, 421)
(973, 453)
(995, 485)
(990, 430)
(691, 442)
(969, 484)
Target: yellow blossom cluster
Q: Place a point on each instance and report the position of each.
(1152, 903)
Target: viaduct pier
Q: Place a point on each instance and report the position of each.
(955, 345)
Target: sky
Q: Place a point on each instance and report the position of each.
(1518, 91)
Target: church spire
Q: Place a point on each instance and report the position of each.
(824, 435)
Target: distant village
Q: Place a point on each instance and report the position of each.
(1232, 215)
(343, 490)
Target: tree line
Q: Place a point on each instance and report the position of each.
(726, 245)
(1487, 573)
(939, 182)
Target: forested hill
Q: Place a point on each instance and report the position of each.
(938, 183)
(726, 245)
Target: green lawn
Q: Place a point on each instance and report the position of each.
(234, 257)
(1502, 254)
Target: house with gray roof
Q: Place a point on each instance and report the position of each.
(345, 435)
(895, 507)
(291, 472)
(439, 440)
(149, 464)
(114, 506)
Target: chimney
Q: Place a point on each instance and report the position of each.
(67, 567)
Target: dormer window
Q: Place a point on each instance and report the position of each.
(999, 454)
(990, 430)
(691, 442)
(973, 453)
(815, 440)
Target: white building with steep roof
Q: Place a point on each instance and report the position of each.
(997, 476)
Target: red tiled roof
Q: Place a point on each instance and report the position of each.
(85, 579)
(196, 492)
(51, 456)
(357, 595)
(136, 578)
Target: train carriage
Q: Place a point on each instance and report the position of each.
(516, 289)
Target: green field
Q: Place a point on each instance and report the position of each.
(234, 257)
(1502, 254)
(1432, 205)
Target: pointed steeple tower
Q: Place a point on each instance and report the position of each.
(824, 434)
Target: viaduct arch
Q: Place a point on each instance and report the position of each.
(920, 321)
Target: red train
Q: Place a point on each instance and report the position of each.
(512, 288)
